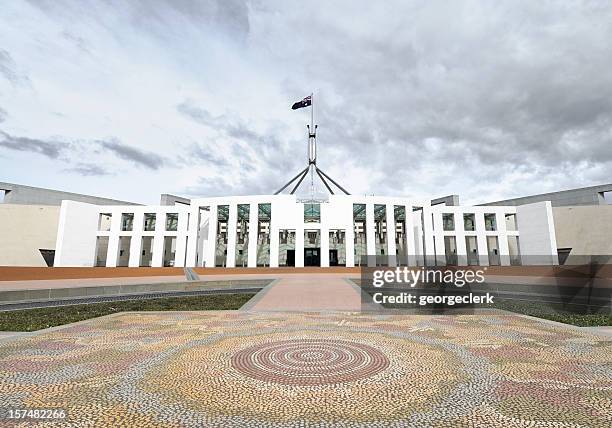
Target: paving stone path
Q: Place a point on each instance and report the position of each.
(264, 369)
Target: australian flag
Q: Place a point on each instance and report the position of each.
(304, 103)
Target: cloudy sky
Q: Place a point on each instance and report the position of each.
(130, 99)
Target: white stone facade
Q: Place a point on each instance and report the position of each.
(209, 233)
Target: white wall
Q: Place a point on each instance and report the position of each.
(538, 243)
(24, 230)
(76, 234)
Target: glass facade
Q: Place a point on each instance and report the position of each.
(264, 217)
(149, 222)
(360, 241)
(399, 216)
(337, 247)
(380, 234)
(221, 238)
(312, 213)
(286, 247)
(448, 222)
(242, 235)
(172, 222)
(127, 222)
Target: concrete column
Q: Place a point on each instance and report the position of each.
(212, 236)
(324, 247)
(461, 249)
(253, 218)
(136, 241)
(192, 236)
(391, 246)
(299, 247)
(370, 234)
(181, 240)
(483, 257)
(349, 239)
(274, 244)
(410, 238)
(113, 239)
(231, 235)
(428, 251)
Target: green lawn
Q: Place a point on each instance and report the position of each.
(550, 312)
(36, 319)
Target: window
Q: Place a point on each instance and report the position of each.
(123, 253)
(469, 223)
(360, 238)
(450, 250)
(172, 222)
(242, 235)
(149, 222)
(104, 222)
(312, 213)
(221, 238)
(264, 218)
(471, 246)
(448, 222)
(127, 221)
(511, 222)
(490, 223)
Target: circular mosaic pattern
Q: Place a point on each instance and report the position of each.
(307, 362)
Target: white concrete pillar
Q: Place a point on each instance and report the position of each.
(192, 236)
(181, 239)
(136, 241)
(324, 247)
(411, 239)
(428, 251)
(299, 247)
(113, 239)
(212, 243)
(349, 243)
(274, 244)
(253, 221)
(370, 234)
(231, 235)
(391, 246)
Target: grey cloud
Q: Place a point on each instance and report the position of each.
(88, 170)
(3, 115)
(139, 157)
(50, 149)
(8, 68)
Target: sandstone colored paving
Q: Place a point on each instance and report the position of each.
(311, 369)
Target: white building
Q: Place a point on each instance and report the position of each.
(280, 230)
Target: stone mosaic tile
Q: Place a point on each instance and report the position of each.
(320, 369)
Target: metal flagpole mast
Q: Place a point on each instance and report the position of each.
(312, 143)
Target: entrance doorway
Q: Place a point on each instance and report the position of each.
(312, 257)
(333, 257)
(290, 257)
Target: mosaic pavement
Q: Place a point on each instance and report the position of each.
(286, 369)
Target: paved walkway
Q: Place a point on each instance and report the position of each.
(306, 292)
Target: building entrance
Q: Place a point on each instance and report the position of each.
(333, 257)
(290, 257)
(312, 257)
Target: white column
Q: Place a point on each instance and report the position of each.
(349, 243)
(113, 239)
(274, 245)
(136, 241)
(410, 237)
(324, 246)
(212, 243)
(231, 235)
(192, 236)
(439, 254)
(391, 246)
(370, 234)
(299, 247)
(253, 218)
(483, 249)
(181, 239)
(430, 256)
